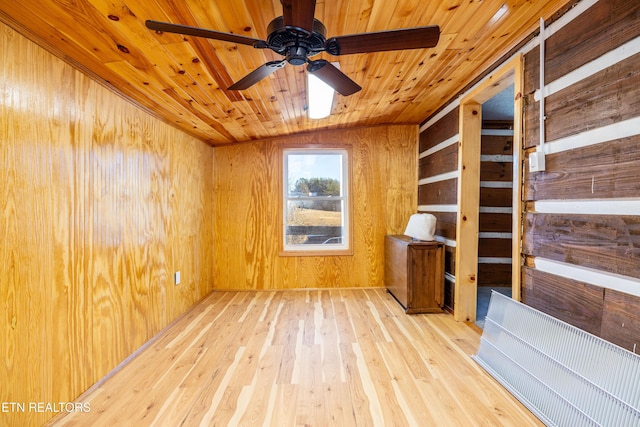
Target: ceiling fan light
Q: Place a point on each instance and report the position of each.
(320, 97)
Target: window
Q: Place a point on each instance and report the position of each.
(316, 208)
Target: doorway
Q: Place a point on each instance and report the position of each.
(495, 215)
(507, 78)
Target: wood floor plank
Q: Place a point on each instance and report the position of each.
(443, 406)
(210, 405)
(404, 383)
(255, 399)
(284, 413)
(289, 369)
(364, 399)
(409, 354)
(344, 328)
(311, 405)
(372, 365)
(314, 357)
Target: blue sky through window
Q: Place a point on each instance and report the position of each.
(314, 166)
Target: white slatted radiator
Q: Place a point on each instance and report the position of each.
(564, 375)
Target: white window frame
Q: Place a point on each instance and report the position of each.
(343, 248)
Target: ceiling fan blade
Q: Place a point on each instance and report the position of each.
(299, 14)
(332, 76)
(201, 32)
(407, 38)
(258, 74)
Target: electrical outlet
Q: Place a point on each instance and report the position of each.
(536, 161)
(176, 278)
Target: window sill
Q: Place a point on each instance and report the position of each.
(315, 253)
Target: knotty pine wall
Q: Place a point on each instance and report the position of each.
(247, 231)
(581, 217)
(99, 204)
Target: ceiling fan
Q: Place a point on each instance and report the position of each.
(297, 36)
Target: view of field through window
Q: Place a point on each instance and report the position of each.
(315, 198)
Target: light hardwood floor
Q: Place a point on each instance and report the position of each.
(304, 358)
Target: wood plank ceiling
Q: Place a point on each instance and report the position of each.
(184, 80)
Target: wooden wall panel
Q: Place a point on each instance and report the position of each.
(246, 210)
(621, 320)
(490, 247)
(595, 172)
(531, 120)
(605, 98)
(440, 131)
(450, 260)
(99, 204)
(443, 192)
(604, 171)
(604, 242)
(495, 197)
(496, 144)
(442, 161)
(449, 278)
(608, 96)
(494, 275)
(495, 222)
(592, 169)
(449, 293)
(496, 171)
(439, 193)
(445, 224)
(606, 25)
(576, 303)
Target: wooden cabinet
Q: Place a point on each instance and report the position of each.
(414, 273)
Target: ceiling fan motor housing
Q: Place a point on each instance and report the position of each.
(294, 44)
